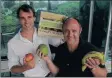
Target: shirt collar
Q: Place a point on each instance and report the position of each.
(24, 39)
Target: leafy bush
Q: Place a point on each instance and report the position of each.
(70, 9)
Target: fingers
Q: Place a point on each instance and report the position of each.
(89, 66)
(24, 61)
(92, 63)
(41, 55)
(31, 63)
(97, 61)
(37, 51)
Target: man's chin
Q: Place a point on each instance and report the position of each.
(27, 25)
(71, 42)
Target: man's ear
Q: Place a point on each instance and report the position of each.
(34, 18)
(80, 30)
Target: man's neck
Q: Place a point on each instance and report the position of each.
(27, 31)
(73, 47)
(28, 34)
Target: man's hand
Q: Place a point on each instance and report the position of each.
(44, 57)
(92, 63)
(52, 67)
(97, 71)
(30, 64)
(26, 66)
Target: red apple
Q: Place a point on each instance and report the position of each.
(29, 57)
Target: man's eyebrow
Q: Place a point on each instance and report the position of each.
(30, 16)
(21, 17)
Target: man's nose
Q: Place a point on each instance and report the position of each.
(70, 33)
(26, 20)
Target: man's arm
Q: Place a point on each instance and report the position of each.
(18, 69)
(97, 71)
(13, 62)
(26, 66)
(52, 67)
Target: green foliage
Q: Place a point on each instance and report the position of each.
(9, 20)
(70, 9)
(40, 4)
(9, 4)
(8, 23)
(8, 17)
(14, 10)
(103, 4)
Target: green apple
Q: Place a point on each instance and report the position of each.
(43, 48)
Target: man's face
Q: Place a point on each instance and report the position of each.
(26, 19)
(71, 32)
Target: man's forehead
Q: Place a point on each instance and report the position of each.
(71, 23)
(72, 26)
(23, 12)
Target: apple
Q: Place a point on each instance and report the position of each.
(29, 57)
(43, 48)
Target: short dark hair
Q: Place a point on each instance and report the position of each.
(25, 8)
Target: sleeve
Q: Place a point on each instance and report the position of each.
(13, 59)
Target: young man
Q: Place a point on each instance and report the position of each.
(24, 42)
(68, 58)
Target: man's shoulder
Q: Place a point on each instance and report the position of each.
(90, 46)
(13, 39)
(63, 45)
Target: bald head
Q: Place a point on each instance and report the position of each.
(70, 21)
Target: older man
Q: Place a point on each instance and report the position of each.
(68, 58)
